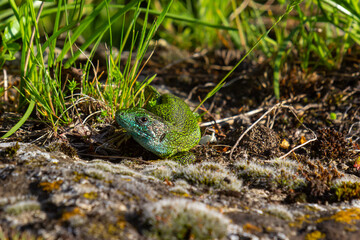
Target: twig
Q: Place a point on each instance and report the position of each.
(293, 111)
(248, 114)
(253, 125)
(90, 115)
(355, 134)
(277, 106)
(221, 133)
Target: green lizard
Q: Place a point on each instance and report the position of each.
(165, 126)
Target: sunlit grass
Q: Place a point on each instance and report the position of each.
(43, 85)
(317, 34)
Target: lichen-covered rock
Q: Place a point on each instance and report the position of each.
(52, 196)
(184, 219)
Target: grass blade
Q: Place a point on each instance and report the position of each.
(222, 82)
(104, 27)
(22, 120)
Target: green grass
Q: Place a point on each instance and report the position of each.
(317, 34)
(41, 84)
(324, 31)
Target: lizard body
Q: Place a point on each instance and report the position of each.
(165, 126)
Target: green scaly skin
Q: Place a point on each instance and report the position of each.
(166, 126)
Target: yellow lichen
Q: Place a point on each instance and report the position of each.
(50, 186)
(351, 229)
(180, 194)
(315, 235)
(250, 228)
(312, 208)
(67, 215)
(349, 216)
(108, 230)
(90, 195)
(121, 222)
(299, 221)
(115, 228)
(79, 176)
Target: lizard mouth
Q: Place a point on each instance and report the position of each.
(135, 121)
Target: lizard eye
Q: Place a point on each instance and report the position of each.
(142, 120)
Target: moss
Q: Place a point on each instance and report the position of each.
(96, 173)
(180, 188)
(63, 147)
(347, 191)
(50, 186)
(100, 170)
(184, 219)
(22, 206)
(163, 170)
(315, 235)
(250, 170)
(275, 173)
(179, 191)
(10, 152)
(279, 211)
(332, 145)
(209, 174)
(112, 168)
(319, 179)
(288, 179)
(163, 173)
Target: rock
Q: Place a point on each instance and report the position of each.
(52, 195)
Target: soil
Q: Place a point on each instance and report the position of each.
(293, 175)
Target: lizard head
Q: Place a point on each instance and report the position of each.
(141, 124)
